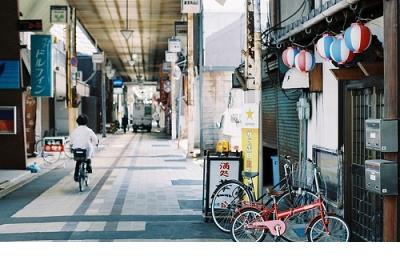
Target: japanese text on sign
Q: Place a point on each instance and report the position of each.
(42, 84)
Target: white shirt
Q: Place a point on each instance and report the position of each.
(83, 137)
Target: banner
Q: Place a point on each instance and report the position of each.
(41, 66)
(250, 141)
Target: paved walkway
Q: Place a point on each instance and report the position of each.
(143, 189)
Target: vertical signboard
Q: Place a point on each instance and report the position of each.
(41, 68)
(250, 144)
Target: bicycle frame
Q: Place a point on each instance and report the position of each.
(278, 226)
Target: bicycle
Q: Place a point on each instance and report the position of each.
(253, 222)
(80, 158)
(233, 194)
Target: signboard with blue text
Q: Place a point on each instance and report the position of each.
(41, 66)
(118, 83)
(9, 74)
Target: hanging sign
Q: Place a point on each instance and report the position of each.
(181, 28)
(98, 58)
(30, 25)
(170, 56)
(41, 66)
(190, 6)
(58, 14)
(174, 45)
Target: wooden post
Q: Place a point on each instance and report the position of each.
(391, 72)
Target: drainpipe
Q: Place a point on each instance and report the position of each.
(323, 15)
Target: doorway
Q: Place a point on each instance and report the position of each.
(363, 209)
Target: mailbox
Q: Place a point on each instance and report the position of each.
(381, 176)
(381, 135)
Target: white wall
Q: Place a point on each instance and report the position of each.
(323, 126)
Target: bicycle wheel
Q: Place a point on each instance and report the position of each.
(38, 147)
(240, 231)
(51, 157)
(335, 229)
(296, 225)
(82, 176)
(68, 148)
(225, 200)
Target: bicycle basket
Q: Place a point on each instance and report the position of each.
(303, 177)
(79, 154)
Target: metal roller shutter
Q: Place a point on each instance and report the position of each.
(269, 111)
(288, 123)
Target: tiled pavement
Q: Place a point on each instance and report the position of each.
(142, 189)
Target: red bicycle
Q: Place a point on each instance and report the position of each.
(254, 220)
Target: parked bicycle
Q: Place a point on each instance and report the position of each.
(254, 221)
(80, 158)
(232, 194)
(50, 156)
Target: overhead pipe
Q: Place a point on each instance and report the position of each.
(318, 18)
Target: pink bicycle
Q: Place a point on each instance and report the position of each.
(254, 220)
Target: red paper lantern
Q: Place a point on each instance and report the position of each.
(305, 61)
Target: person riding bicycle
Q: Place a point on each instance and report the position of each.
(83, 138)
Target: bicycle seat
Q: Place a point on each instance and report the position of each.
(249, 175)
(273, 192)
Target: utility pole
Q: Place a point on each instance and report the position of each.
(251, 132)
(173, 101)
(190, 91)
(71, 51)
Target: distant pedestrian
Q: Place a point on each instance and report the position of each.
(125, 123)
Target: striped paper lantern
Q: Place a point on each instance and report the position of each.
(357, 37)
(304, 61)
(288, 56)
(339, 51)
(324, 45)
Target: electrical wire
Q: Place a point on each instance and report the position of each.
(283, 21)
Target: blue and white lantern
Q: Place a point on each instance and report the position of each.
(339, 51)
(357, 37)
(324, 45)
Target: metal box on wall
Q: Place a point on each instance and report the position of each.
(381, 176)
(381, 135)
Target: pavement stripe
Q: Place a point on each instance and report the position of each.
(122, 192)
(145, 167)
(182, 230)
(103, 218)
(94, 192)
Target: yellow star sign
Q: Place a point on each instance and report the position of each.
(249, 114)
